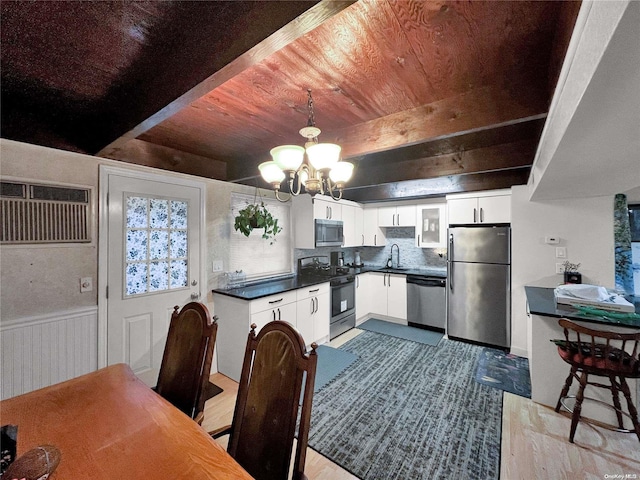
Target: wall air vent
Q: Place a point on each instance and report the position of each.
(32, 213)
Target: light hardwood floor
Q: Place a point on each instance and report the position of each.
(535, 442)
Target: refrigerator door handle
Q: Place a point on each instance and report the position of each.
(450, 253)
(481, 215)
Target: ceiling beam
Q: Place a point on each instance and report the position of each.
(492, 158)
(297, 27)
(441, 186)
(157, 156)
(475, 109)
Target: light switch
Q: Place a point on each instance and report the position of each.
(217, 265)
(561, 252)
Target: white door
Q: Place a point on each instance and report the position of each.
(153, 263)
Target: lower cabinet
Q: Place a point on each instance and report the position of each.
(363, 295)
(307, 309)
(388, 294)
(312, 313)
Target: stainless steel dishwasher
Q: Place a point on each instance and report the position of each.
(426, 302)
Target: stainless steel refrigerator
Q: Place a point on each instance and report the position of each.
(479, 284)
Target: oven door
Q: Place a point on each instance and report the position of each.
(343, 298)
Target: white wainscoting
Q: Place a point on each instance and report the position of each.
(39, 351)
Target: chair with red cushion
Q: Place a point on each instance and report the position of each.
(605, 354)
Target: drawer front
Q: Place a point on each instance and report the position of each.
(272, 301)
(312, 291)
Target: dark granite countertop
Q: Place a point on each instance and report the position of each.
(285, 284)
(270, 287)
(422, 272)
(542, 302)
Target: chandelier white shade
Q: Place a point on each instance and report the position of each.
(321, 172)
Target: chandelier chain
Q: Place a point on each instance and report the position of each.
(311, 122)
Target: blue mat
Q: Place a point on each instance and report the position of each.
(331, 363)
(428, 337)
(504, 371)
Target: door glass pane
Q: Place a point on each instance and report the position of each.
(156, 244)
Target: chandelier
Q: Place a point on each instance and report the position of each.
(319, 171)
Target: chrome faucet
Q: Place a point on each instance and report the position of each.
(398, 257)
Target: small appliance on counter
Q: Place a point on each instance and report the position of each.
(357, 262)
(337, 259)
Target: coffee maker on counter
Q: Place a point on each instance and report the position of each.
(337, 259)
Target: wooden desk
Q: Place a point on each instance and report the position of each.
(109, 425)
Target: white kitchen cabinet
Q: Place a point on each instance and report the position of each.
(388, 295)
(359, 226)
(235, 317)
(397, 216)
(352, 224)
(488, 207)
(373, 234)
(363, 295)
(326, 208)
(305, 210)
(313, 312)
(431, 225)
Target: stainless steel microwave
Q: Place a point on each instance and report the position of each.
(329, 233)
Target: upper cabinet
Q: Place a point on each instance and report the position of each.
(397, 216)
(373, 236)
(431, 225)
(305, 210)
(484, 207)
(326, 209)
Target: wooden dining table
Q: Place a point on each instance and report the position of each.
(109, 425)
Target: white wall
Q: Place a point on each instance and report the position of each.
(585, 229)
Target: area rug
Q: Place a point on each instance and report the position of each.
(504, 371)
(428, 337)
(331, 362)
(405, 410)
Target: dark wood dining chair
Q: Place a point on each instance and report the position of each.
(276, 372)
(186, 362)
(604, 354)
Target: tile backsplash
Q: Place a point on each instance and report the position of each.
(410, 255)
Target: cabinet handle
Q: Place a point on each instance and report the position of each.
(275, 301)
(389, 279)
(358, 282)
(384, 280)
(475, 215)
(398, 223)
(316, 290)
(312, 307)
(274, 315)
(279, 315)
(375, 239)
(418, 239)
(317, 306)
(481, 215)
(363, 239)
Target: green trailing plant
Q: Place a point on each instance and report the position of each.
(256, 215)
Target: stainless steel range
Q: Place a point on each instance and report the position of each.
(343, 290)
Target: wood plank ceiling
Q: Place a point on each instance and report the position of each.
(425, 97)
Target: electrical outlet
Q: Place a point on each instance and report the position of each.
(559, 268)
(561, 252)
(86, 284)
(217, 265)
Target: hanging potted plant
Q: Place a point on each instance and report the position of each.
(256, 215)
